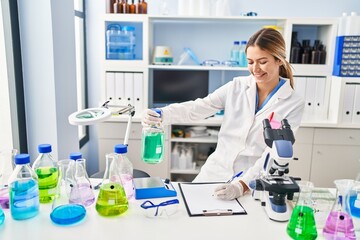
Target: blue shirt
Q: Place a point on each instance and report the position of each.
(281, 82)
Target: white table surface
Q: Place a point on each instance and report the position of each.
(134, 225)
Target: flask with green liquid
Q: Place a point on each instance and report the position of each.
(112, 199)
(46, 169)
(152, 147)
(302, 222)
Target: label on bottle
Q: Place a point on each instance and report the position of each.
(158, 150)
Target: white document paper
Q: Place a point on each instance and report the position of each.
(200, 201)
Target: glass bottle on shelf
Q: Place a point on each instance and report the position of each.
(152, 139)
(242, 55)
(116, 6)
(46, 169)
(339, 223)
(302, 222)
(124, 6)
(23, 189)
(141, 7)
(110, 6)
(132, 7)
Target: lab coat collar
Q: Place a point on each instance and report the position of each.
(283, 93)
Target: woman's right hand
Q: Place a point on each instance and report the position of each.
(150, 117)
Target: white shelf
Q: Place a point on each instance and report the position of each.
(197, 67)
(210, 139)
(214, 18)
(185, 171)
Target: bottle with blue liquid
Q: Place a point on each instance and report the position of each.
(23, 189)
(2, 216)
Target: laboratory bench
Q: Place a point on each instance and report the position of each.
(134, 225)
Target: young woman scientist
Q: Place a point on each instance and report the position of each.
(247, 101)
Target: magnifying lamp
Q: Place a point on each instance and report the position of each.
(91, 116)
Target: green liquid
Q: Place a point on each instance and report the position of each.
(112, 200)
(302, 223)
(47, 178)
(153, 148)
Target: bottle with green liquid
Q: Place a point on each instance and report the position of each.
(152, 149)
(112, 199)
(302, 222)
(46, 169)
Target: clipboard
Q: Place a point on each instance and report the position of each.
(199, 201)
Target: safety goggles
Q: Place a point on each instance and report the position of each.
(167, 208)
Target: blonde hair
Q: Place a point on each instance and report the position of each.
(271, 41)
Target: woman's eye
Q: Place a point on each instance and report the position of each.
(262, 63)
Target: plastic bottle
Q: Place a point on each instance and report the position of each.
(242, 55)
(127, 43)
(153, 143)
(235, 52)
(47, 171)
(81, 191)
(342, 24)
(352, 25)
(23, 189)
(113, 35)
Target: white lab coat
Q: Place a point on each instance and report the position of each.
(240, 140)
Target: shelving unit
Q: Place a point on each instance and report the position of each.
(212, 38)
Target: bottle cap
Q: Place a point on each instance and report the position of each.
(75, 155)
(44, 148)
(128, 28)
(23, 158)
(120, 148)
(157, 111)
(243, 42)
(236, 42)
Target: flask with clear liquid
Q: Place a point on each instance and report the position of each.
(302, 221)
(81, 191)
(23, 189)
(152, 147)
(63, 211)
(6, 168)
(46, 169)
(112, 199)
(339, 223)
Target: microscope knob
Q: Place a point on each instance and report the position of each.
(272, 171)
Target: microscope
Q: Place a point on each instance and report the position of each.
(273, 187)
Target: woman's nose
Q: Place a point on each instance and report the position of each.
(256, 67)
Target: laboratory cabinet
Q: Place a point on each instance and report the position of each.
(139, 82)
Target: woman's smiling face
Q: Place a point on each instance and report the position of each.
(262, 65)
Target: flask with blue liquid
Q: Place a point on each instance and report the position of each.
(23, 189)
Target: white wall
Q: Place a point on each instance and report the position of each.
(48, 55)
(275, 8)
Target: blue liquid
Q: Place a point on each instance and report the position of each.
(68, 214)
(354, 206)
(24, 199)
(2, 216)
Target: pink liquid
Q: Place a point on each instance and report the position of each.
(127, 181)
(339, 226)
(82, 194)
(4, 198)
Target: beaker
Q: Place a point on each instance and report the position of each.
(339, 223)
(302, 222)
(6, 168)
(112, 199)
(81, 191)
(63, 211)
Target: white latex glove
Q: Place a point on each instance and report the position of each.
(150, 117)
(229, 191)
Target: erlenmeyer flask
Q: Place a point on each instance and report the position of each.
(81, 189)
(112, 198)
(64, 212)
(302, 222)
(339, 223)
(6, 168)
